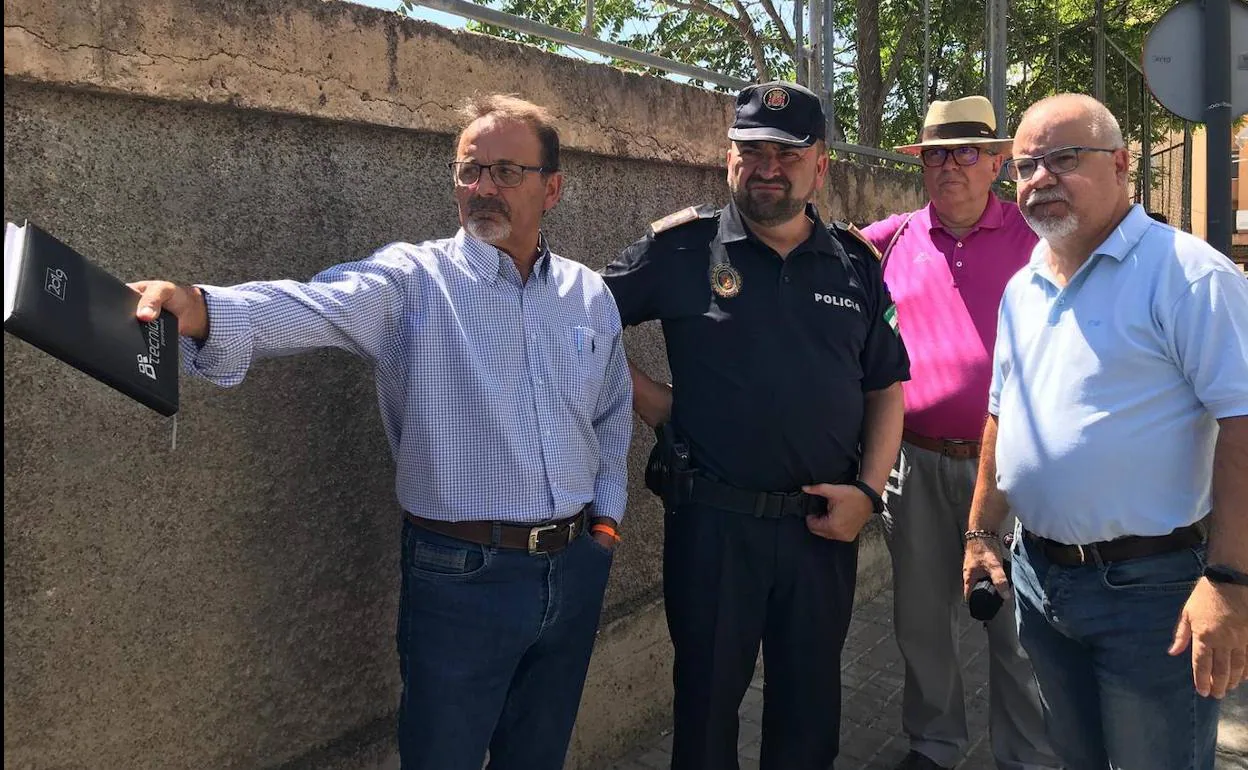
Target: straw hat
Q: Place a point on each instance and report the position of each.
(969, 120)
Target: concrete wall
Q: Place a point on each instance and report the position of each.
(231, 604)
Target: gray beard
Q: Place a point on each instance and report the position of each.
(1053, 228)
(488, 230)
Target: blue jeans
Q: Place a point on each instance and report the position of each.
(1097, 636)
(493, 646)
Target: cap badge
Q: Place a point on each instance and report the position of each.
(776, 99)
(725, 280)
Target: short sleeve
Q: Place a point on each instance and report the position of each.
(882, 232)
(1000, 359)
(1208, 336)
(884, 357)
(634, 281)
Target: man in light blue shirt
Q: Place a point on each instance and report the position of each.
(1118, 435)
(506, 400)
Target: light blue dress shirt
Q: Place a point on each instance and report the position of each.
(1107, 392)
(502, 399)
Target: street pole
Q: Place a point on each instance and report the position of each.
(1185, 213)
(833, 130)
(997, 16)
(814, 66)
(1218, 123)
(927, 52)
(1098, 64)
(1146, 150)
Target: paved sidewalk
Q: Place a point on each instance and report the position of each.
(872, 680)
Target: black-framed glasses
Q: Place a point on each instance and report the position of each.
(935, 157)
(504, 174)
(1063, 160)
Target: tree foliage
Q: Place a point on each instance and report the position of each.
(878, 57)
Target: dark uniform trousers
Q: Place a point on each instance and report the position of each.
(730, 582)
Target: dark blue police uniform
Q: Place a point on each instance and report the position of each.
(770, 359)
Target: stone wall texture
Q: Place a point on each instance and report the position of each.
(231, 603)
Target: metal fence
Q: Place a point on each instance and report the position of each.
(1161, 152)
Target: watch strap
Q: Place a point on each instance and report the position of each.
(877, 502)
(1221, 573)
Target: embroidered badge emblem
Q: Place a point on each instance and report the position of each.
(725, 280)
(776, 99)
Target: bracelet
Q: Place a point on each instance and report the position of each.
(980, 534)
(607, 530)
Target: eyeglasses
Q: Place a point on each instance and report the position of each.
(504, 174)
(1063, 160)
(934, 157)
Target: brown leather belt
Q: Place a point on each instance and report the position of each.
(539, 538)
(958, 450)
(1120, 549)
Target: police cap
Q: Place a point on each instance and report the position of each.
(778, 112)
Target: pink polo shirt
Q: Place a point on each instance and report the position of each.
(947, 293)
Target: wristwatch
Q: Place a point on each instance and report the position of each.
(877, 502)
(1220, 573)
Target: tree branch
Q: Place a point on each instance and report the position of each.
(756, 45)
(743, 25)
(785, 37)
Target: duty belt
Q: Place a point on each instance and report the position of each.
(764, 505)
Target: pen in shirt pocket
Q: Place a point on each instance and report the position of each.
(580, 334)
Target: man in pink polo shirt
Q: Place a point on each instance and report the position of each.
(947, 265)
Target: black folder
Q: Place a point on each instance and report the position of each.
(59, 302)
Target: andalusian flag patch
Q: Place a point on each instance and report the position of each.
(890, 316)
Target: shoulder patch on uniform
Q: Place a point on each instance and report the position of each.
(857, 234)
(678, 218)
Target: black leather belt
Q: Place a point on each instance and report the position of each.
(539, 538)
(763, 505)
(1120, 549)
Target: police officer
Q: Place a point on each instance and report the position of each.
(780, 427)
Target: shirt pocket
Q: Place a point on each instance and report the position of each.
(579, 357)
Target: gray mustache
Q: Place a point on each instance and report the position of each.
(478, 205)
(1045, 196)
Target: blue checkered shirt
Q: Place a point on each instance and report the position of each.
(502, 400)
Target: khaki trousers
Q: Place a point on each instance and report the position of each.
(929, 498)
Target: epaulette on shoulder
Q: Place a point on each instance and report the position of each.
(682, 217)
(857, 235)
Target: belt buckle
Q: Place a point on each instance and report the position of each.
(536, 532)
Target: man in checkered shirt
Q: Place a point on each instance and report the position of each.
(506, 399)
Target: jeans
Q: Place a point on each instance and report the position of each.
(493, 646)
(1097, 636)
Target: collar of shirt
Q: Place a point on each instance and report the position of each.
(991, 219)
(488, 261)
(732, 228)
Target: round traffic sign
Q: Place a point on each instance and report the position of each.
(1174, 60)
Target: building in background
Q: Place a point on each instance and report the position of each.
(1168, 189)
